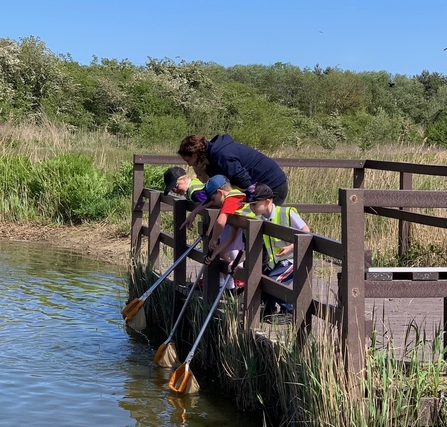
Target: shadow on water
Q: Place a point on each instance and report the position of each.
(66, 358)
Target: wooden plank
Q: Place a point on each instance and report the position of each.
(405, 269)
(405, 289)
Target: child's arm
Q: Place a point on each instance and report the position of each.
(223, 245)
(217, 230)
(197, 210)
(297, 222)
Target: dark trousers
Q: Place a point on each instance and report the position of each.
(280, 193)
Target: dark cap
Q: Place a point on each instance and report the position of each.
(212, 185)
(171, 176)
(257, 192)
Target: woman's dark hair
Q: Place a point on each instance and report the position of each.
(194, 144)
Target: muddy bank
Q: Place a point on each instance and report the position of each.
(100, 242)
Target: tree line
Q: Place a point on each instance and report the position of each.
(265, 106)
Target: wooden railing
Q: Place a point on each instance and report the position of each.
(349, 312)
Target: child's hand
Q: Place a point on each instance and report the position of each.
(286, 250)
(209, 257)
(188, 222)
(230, 267)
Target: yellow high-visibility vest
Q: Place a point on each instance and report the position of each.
(194, 185)
(244, 209)
(274, 245)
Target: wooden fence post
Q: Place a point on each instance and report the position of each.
(253, 271)
(137, 205)
(153, 244)
(352, 286)
(211, 275)
(404, 242)
(302, 280)
(180, 246)
(358, 178)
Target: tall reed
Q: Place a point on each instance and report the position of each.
(304, 382)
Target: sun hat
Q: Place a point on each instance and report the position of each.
(212, 185)
(257, 192)
(170, 177)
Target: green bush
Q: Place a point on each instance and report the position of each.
(437, 131)
(262, 124)
(153, 177)
(122, 181)
(355, 124)
(380, 129)
(68, 188)
(162, 129)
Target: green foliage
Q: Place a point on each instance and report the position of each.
(68, 188)
(260, 123)
(157, 129)
(16, 173)
(355, 124)
(122, 181)
(262, 106)
(153, 177)
(437, 130)
(30, 74)
(418, 255)
(432, 82)
(330, 131)
(379, 129)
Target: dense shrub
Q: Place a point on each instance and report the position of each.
(69, 188)
(263, 106)
(122, 181)
(156, 130)
(437, 131)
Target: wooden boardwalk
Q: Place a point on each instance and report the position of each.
(392, 317)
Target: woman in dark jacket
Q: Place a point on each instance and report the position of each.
(241, 164)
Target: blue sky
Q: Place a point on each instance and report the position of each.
(398, 36)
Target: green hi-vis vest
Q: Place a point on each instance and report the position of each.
(274, 245)
(194, 185)
(244, 209)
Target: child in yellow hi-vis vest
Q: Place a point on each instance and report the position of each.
(179, 182)
(279, 262)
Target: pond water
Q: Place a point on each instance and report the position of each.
(66, 358)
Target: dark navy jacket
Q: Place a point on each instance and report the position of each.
(241, 164)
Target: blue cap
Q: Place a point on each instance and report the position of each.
(212, 185)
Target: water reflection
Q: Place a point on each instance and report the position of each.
(66, 358)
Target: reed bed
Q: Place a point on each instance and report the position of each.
(300, 381)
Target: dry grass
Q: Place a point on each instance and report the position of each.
(307, 185)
